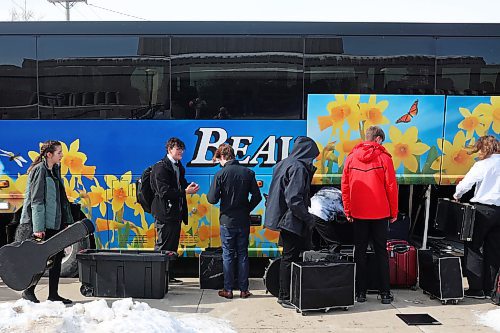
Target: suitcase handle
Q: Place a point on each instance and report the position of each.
(401, 248)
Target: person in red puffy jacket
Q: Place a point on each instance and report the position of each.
(370, 197)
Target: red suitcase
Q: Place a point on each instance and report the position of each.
(402, 263)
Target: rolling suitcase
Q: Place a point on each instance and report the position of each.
(322, 285)
(402, 266)
(455, 218)
(440, 276)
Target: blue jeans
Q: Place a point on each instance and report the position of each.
(235, 245)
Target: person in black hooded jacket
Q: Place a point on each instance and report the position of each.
(287, 207)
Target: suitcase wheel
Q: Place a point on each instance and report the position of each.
(444, 302)
(346, 308)
(454, 302)
(304, 313)
(297, 310)
(414, 288)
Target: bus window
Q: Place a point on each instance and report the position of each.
(245, 77)
(393, 65)
(471, 66)
(18, 99)
(101, 77)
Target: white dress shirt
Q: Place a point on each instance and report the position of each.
(486, 175)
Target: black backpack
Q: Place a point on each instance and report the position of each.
(143, 191)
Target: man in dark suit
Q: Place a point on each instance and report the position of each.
(169, 206)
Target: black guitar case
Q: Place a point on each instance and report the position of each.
(23, 263)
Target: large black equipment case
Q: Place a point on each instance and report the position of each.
(440, 276)
(212, 271)
(322, 285)
(124, 273)
(455, 218)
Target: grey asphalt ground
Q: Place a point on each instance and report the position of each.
(261, 313)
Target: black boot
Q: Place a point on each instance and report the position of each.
(29, 295)
(57, 298)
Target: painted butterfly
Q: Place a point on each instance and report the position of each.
(406, 118)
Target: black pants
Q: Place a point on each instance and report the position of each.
(55, 270)
(168, 235)
(376, 230)
(293, 244)
(482, 254)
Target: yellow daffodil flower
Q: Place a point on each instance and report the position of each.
(345, 146)
(473, 122)
(404, 147)
(491, 113)
(455, 161)
(97, 197)
(120, 191)
(372, 112)
(341, 110)
(74, 161)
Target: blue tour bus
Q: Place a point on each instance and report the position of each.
(114, 92)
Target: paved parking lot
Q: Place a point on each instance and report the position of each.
(261, 313)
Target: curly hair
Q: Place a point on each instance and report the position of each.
(486, 145)
(175, 142)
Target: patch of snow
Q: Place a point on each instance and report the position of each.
(124, 316)
(491, 319)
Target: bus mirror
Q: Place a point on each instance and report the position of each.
(4, 183)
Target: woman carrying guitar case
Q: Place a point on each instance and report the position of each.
(46, 210)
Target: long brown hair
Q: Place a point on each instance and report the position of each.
(486, 145)
(49, 146)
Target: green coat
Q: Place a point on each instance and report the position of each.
(40, 200)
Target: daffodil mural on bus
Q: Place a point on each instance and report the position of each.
(467, 118)
(411, 123)
(102, 162)
(414, 128)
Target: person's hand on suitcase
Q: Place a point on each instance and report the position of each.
(393, 219)
(349, 219)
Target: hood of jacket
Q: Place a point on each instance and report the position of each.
(368, 151)
(304, 150)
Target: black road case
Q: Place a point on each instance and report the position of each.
(455, 218)
(440, 276)
(211, 269)
(124, 273)
(322, 285)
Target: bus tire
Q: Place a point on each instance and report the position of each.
(69, 266)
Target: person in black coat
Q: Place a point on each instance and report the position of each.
(169, 205)
(287, 207)
(232, 186)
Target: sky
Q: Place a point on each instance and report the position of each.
(122, 316)
(461, 11)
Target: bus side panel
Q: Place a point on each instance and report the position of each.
(412, 126)
(103, 159)
(467, 119)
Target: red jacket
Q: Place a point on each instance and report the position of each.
(369, 187)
